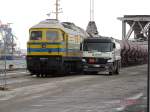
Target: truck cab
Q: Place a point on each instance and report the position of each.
(101, 54)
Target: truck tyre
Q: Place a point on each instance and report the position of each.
(110, 73)
(117, 69)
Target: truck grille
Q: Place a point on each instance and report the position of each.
(96, 60)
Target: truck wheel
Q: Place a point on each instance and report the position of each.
(110, 73)
(117, 70)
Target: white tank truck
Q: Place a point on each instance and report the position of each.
(101, 54)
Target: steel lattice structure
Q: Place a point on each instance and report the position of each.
(139, 24)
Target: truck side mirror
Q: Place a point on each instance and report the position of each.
(114, 45)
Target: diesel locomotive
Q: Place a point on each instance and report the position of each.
(54, 47)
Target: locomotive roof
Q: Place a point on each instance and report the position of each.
(48, 24)
(65, 26)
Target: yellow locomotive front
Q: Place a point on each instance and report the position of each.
(48, 42)
(51, 49)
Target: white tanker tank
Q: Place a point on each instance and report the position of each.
(133, 53)
(101, 54)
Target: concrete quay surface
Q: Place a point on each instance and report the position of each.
(78, 93)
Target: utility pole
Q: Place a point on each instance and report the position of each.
(57, 10)
(148, 76)
(91, 10)
(57, 5)
(12, 39)
(5, 47)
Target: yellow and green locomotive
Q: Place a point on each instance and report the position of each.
(54, 47)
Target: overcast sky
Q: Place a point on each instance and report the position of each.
(26, 13)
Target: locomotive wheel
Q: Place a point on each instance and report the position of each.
(42, 75)
(32, 72)
(94, 73)
(37, 75)
(86, 72)
(90, 73)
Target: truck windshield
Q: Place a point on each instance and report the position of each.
(101, 47)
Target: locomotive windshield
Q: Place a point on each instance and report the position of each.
(36, 35)
(49, 35)
(101, 47)
(54, 36)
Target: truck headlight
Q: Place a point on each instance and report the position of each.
(85, 66)
(83, 60)
(110, 60)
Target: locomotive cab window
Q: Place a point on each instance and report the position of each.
(54, 36)
(36, 35)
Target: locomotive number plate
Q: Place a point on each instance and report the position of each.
(43, 58)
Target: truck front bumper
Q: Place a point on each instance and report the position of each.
(98, 67)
